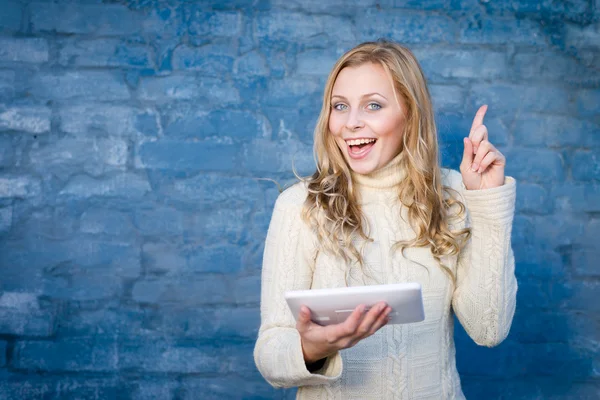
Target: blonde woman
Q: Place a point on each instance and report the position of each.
(378, 210)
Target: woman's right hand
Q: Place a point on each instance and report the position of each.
(319, 342)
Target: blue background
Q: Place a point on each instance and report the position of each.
(136, 143)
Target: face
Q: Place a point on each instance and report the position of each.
(365, 119)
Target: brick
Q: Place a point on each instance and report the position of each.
(420, 5)
(20, 314)
(76, 355)
(462, 63)
(218, 259)
(546, 7)
(583, 299)
(188, 156)
(585, 165)
(24, 50)
(546, 294)
(525, 326)
(106, 222)
(168, 260)
(588, 102)
(88, 286)
(182, 291)
(158, 221)
(216, 388)
(482, 361)
(578, 36)
(209, 60)
(88, 85)
(214, 24)
(554, 131)
(227, 323)
(19, 186)
(164, 21)
(105, 53)
(546, 65)
(447, 97)
(498, 30)
(6, 216)
(29, 119)
(538, 261)
(251, 64)
(315, 62)
(247, 290)
(95, 156)
(96, 19)
(57, 222)
(577, 197)
(585, 262)
(333, 7)
(531, 165)
(221, 224)
(210, 90)
(7, 150)
(292, 123)
(533, 199)
(507, 99)
(163, 388)
(207, 190)
(127, 185)
(405, 26)
(108, 119)
(293, 91)
(75, 322)
(279, 26)
(72, 269)
(7, 85)
(235, 124)
(164, 259)
(557, 230)
(262, 156)
(2, 353)
(160, 356)
(10, 15)
(25, 386)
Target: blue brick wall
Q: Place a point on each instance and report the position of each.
(134, 136)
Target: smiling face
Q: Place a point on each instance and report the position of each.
(366, 117)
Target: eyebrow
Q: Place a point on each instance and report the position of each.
(363, 96)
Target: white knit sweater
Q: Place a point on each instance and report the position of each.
(412, 361)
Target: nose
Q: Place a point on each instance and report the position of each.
(354, 121)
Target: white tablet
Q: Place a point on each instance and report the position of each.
(332, 306)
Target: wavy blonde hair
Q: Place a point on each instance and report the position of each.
(331, 206)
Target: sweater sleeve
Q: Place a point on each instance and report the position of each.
(484, 299)
(288, 264)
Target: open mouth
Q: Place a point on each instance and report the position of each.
(360, 147)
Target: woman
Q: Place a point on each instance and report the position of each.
(380, 210)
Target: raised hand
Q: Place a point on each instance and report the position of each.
(321, 341)
(482, 165)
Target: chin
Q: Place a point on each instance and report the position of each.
(361, 167)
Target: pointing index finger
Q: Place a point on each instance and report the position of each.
(478, 120)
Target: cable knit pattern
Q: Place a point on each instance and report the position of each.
(415, 361)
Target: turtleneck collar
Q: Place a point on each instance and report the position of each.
(385, 178)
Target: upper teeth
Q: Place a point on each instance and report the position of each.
(356, 142)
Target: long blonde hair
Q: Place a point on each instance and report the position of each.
(331, 206)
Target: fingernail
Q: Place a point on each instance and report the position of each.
(474, 167)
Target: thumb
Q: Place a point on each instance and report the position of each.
(468, 155)
(304, 321)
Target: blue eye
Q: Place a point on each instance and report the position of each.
(374, 106)
(340, 106)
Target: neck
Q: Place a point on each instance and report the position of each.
(385, 178)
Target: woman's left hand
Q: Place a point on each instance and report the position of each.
(482, 166)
